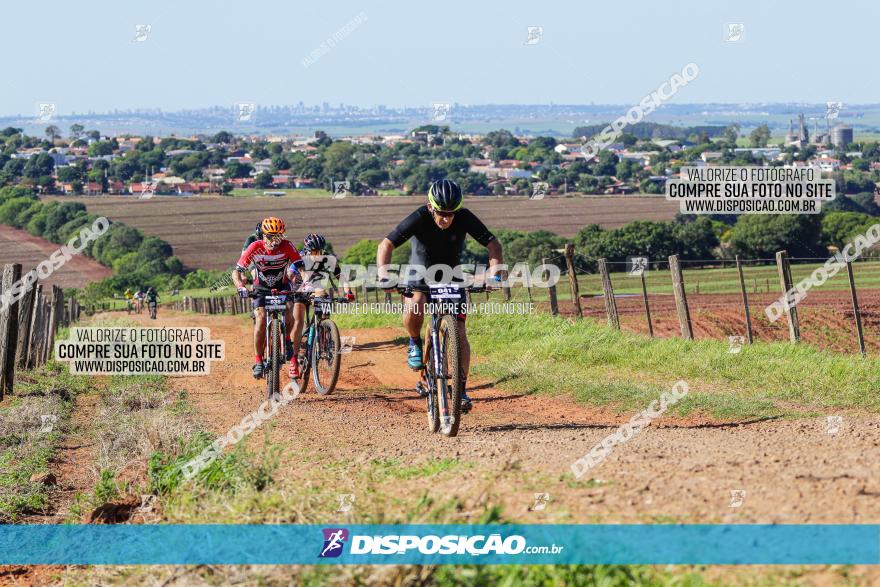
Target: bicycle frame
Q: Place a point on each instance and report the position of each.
(438, 366)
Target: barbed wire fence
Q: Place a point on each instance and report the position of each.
(690, 298)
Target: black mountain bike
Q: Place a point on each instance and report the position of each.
(152, 307)
(320, 344)
(442, 379)
(276, 331)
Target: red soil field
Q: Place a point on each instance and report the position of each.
(19, 246)
(825, 317)
(207, 231)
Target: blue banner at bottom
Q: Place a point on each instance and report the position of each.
(440, 544)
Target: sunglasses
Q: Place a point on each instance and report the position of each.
(273, 238)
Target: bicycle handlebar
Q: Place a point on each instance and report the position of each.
(408, 290)
(289, 294)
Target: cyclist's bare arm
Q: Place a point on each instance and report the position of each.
(383, 258)
(237, 278)
(496, 259)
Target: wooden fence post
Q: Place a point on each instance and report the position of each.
(527, 278)
(745, 297)
(784, 269)
(608, 292)
(855, 303)
(50, 325)
(647, 307)
(551, 291)
(505, 291)
(572, 280)
(34, 334)
(25, 313)
(8, 329)
(681, 305)
(47, 328)
(55, 309)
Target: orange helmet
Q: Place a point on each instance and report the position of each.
(272, 225)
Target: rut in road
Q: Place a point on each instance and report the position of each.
(791, 471)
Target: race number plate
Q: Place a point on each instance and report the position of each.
(276, 303)
(446, 292)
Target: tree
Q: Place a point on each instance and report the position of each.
(524, 246)
(236, 169)
(223, 137)
(100, 149)
(838, 228)
(695, 240)
(761, 236)
(263, 180)
(37, 166)
(76, 131)
(52, 132)
(362, 252)
(731, 133)
(338, 160)
(760, 136)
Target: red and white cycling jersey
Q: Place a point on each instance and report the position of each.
(274, 267)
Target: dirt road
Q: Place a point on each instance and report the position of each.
(783, 471)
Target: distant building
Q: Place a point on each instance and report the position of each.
(841, 136)
(765, 152)
(799, 136)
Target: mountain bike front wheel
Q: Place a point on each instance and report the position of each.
(325, 357)
(449, 381)
(429, 384)
(276, 356)
(304, 363)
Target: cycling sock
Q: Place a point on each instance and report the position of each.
(415, 341)
(259, 359)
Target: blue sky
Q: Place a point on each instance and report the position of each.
(82, 57)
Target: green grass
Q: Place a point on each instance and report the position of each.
(394, 469)
(597, 365)
(26, 445)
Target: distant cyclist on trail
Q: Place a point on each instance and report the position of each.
(152, 299)
(276, 263)
(139, 300)
(437, 233)
(129, 299)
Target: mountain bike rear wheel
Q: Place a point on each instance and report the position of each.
(325, 357)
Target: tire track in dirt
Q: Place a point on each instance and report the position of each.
(792, 471)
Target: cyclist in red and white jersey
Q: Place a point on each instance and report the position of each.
(277, 264)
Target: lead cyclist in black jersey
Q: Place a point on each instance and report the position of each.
(437, 234)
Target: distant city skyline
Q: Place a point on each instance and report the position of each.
(176, 56)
